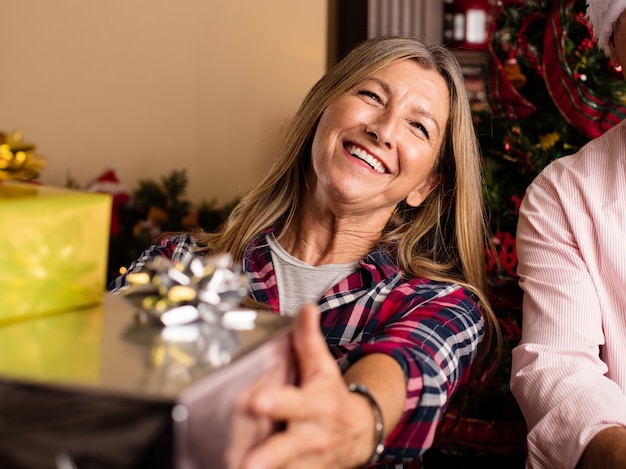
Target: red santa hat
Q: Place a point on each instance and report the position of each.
(107, 183)
(602, 15)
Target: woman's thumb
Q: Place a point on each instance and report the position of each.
(309, 344)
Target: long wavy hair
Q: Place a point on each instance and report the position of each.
(444, 238)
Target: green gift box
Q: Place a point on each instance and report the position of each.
(54, 249)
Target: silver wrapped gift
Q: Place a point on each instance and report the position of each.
(142, 380)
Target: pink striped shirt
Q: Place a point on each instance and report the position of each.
(569, 371)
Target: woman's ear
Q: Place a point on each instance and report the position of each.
(417, 195)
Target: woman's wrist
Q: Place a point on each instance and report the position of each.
(379, 434)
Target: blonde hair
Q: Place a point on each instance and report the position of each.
(444, 238)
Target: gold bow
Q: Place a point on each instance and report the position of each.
(17, 158)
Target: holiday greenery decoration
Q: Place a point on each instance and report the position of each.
(153, 209)
(549, 90)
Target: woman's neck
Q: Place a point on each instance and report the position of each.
(321, 237)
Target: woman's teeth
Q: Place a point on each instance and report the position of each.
(361, 154)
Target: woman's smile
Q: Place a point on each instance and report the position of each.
(365, 157)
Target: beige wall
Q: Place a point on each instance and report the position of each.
(147, 86)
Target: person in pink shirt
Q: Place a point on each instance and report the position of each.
(569, 370)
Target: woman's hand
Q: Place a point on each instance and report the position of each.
(327, 426)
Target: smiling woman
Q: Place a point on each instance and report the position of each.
(373, 208)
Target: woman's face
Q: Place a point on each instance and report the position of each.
(376, 144)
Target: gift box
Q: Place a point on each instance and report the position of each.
(54, 249)
(99, 388)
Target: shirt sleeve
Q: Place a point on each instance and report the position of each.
(558, 377)
(172, 248)
(435, 339)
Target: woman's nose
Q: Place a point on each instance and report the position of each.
(382, 129)
(373, 133)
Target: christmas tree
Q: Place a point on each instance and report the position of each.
(549, 90)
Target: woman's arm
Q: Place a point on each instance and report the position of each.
(432, 330)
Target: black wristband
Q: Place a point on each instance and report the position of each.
(379, 438)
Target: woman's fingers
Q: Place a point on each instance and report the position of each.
(281, 403)
(303, 447)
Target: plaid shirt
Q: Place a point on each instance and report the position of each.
(432, 329)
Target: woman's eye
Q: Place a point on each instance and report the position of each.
(370, 94)
(421, 128)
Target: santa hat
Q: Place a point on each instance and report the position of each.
(108, 183)
(602, 15)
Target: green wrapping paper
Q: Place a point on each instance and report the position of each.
(54, 249)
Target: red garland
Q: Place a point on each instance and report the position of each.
(523, 43)
(585, 111)
(504, 99)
